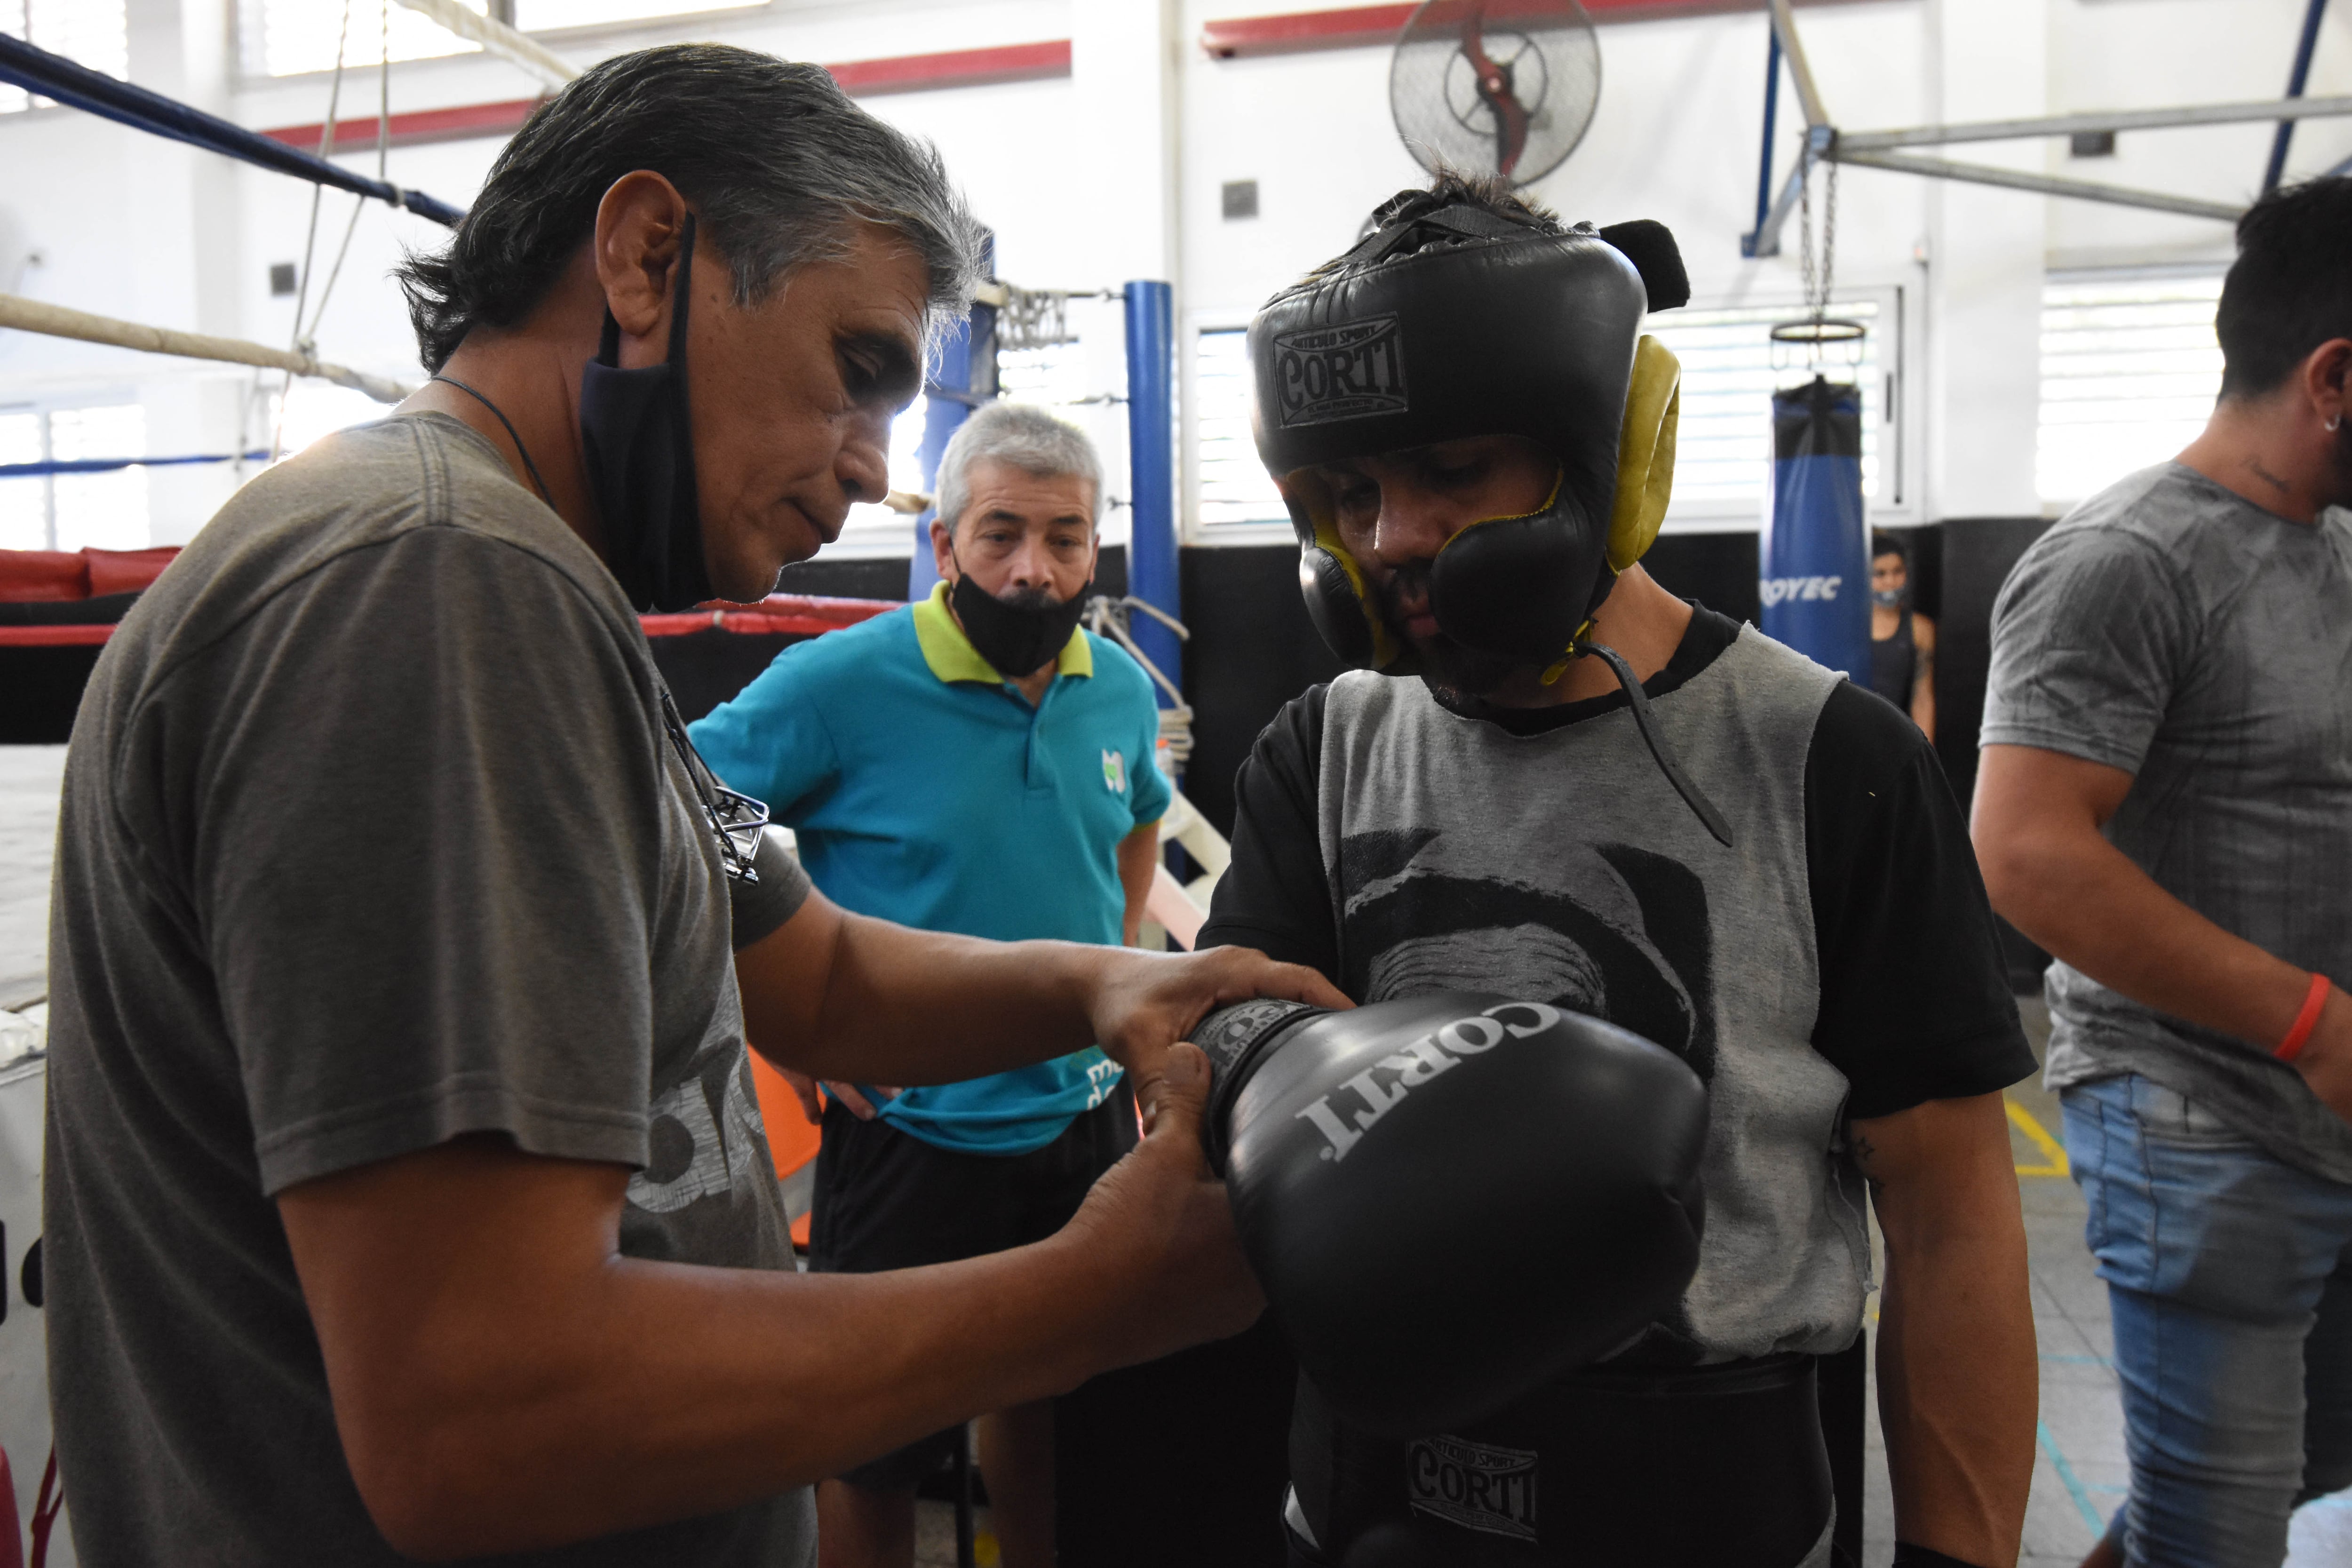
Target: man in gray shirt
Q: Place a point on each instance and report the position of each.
(2165, 805)
(406, 1191)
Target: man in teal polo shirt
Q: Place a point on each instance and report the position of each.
(975, 763)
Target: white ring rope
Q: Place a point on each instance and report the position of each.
(1107, 616)
(310, 240)
(309, 338)
(497, 38)
(57, 321)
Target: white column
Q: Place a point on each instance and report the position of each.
(1988, 59)
(189, 274)
(1123, 70)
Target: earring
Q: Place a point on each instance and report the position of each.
(2333, 421)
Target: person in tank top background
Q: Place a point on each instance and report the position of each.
(1902, 642)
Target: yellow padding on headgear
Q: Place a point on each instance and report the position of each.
(1646, 453)
(1317, 505)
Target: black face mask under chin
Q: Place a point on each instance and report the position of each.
(1016, 639)
(637, 439)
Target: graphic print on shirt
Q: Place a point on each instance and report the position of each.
(1638, 954)
(1631, 945)
(691, 1154)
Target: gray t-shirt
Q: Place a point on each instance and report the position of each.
(2174, 630)
(371, 836)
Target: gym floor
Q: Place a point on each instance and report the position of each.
(2079, 1471)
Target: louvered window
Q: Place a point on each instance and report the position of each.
(287, 37)
(1731, 366)
(92, 33)
(2129, 371)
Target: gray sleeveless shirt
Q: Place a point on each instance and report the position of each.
(1561, 866)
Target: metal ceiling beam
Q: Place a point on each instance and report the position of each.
(2294, 84)
(2040, 185)
(1765, 240)
(1875, 149)
(2104, 119)
(1800, 69)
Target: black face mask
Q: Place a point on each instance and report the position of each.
(638, 440)
(1016, 637)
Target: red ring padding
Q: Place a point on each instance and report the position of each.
(53, 575)
(801, 615)
(44, 574)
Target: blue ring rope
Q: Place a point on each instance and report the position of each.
(53, 76)
(107, 465)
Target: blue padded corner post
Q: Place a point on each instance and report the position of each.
(1152, 572)
(943, 415)
(948, 400)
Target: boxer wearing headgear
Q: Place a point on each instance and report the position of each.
(1475, 444)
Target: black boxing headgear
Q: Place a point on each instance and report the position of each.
(1453, 321)
(1450, 321)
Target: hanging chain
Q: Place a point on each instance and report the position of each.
(1829, 249)
(1821, 279)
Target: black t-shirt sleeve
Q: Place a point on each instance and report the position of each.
(1275, 895)
(1914, 999)
(762, 907)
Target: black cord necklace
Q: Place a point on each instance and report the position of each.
(736, 820)
(528, 467)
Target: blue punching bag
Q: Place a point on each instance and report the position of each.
(1816, 552)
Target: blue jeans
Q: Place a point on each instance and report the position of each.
(2229, 1276)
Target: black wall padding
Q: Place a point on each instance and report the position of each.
(883, 579)
(104, 610)
(1978, 552)
(43, 687)
(705, 668)
(886, 578)
(1252, 649)
(1718, 570)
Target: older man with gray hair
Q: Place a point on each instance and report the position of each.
(975, 763)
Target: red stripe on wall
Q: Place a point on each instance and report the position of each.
(959, 68)
(457, 124)
(901, 73)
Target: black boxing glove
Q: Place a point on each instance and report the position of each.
(1453, 1199)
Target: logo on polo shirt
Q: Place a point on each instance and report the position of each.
(1114, 771)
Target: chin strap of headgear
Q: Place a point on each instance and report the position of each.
(1645, 477)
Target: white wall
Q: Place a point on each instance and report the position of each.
(1115, 171)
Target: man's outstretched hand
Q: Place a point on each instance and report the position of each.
(1157, 1231)
(1143, 1003)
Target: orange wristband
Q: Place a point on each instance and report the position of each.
(2304, 1021)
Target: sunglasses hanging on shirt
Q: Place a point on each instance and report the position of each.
(736, 820)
